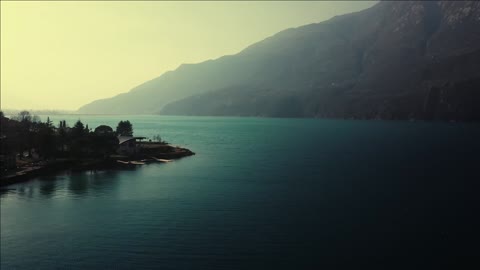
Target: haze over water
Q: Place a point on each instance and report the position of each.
(260, 193)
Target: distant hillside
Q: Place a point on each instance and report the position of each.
(396, 60)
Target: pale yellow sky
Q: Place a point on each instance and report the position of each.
(64, 54)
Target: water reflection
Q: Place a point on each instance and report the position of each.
(77, 184)
(26, 191)
(96, 182)
(48, 187)
(5, 190)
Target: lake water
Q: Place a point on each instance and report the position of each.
(259, 194)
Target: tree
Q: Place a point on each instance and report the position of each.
(103, 144)
(24, 116)
(78, 129)
(78, 141)
(45, 139)
(103, 130)
(157, 138)
(49, 123)
(62, 135)
(24, 135)
(124, 128)
(62, 125)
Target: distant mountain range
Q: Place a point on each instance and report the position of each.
(395, 60)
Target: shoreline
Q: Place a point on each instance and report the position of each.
(114, 162)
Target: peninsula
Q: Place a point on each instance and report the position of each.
(31, 148)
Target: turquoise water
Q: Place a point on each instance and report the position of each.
(259, 194)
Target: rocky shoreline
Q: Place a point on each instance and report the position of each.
(150, 152)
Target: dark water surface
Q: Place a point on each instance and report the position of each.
(259, 194)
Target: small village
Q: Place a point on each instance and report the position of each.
(32, 148)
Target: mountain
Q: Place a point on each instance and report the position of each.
(396, 60)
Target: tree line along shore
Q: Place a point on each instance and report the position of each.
(30, 147)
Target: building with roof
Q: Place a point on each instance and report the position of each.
(128, 145)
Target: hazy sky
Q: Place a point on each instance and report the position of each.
(61, 55)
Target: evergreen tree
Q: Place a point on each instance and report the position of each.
(124, 128)
(49, 123)
(78, 129)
